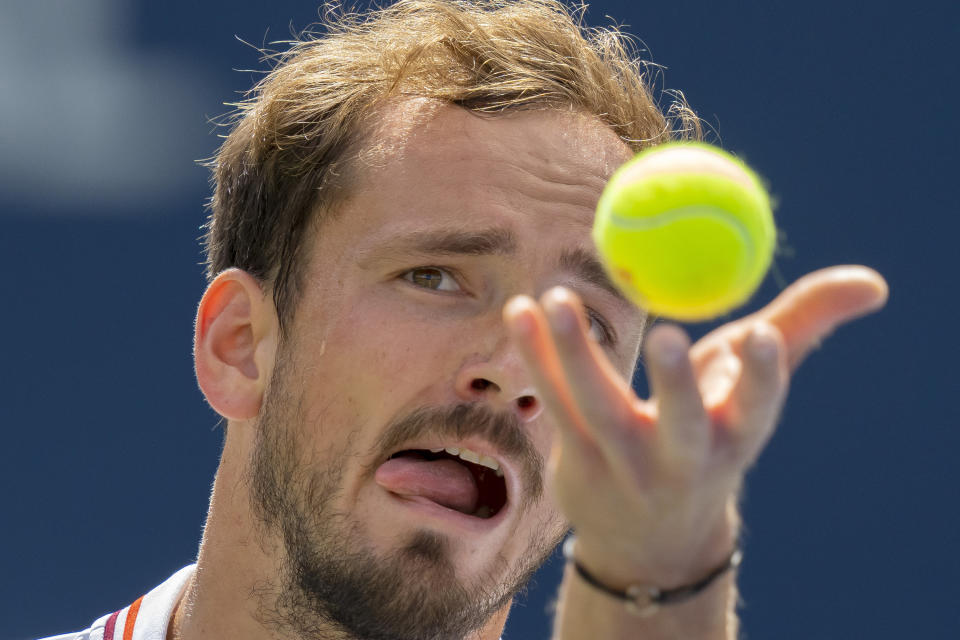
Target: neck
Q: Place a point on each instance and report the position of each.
(217, 602)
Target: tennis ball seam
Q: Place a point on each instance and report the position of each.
(666, 218)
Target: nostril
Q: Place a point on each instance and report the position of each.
(479, 384)
(526, 402)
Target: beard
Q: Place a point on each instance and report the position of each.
(332, 585)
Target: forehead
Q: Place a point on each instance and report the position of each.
(418, 126)
(442, 164)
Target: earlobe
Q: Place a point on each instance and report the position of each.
(234, 344)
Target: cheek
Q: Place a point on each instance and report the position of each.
(381, 351)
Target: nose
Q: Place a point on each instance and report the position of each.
(499, 379)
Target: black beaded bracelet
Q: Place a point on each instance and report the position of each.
(643, 599)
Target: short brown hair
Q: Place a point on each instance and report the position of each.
(287, 159)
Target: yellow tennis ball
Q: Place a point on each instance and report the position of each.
(685, 230)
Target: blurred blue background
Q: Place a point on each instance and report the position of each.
(847, 108)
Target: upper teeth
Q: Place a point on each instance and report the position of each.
(472, 456)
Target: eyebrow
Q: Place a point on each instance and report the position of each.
(486, 242)
(588, 268)
(503, 242)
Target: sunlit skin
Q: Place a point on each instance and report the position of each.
(647, 484)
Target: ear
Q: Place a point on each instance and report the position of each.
(235, 344)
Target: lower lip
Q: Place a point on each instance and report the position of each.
(430, 510)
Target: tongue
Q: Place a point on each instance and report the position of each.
(446, 482)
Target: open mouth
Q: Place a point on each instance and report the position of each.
(457, 479)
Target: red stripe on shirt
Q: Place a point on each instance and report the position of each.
(111, 622)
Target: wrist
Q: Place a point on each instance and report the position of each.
(645, 599)
(675, 561)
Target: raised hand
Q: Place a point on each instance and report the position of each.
(650, 486)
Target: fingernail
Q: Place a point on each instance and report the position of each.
(762, 344)
(671, 353)
(517, 313)
(557, 306)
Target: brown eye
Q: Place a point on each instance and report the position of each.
(433, 278)
(599, 330)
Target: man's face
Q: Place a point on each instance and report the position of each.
(397, 349)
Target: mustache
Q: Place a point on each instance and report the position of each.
(502, 429)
